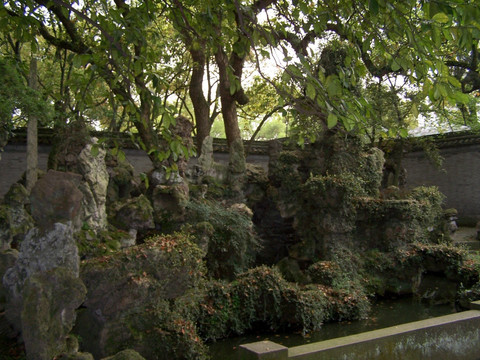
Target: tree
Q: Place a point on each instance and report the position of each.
(410, 39)
(114, 41)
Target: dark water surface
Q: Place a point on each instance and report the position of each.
(384, 313)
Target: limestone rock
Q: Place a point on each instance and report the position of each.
(128, 289)
(49, 302)
(242, 209)
(7, 260)
(94, 189)
(291, 271)
(169, 201)
(136, 213)
(55, 198)
(15, 221)
(17, 195)
(39, 252)
(161, 177)
(122, 178)
(126, 355)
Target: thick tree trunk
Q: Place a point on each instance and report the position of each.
(32, 133)
(200, 105)
(232, 130)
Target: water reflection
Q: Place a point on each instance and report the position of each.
(384, 313)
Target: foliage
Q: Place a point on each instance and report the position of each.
(93, 244)
(346, 287)
(431, 200)
(17, 100)
(432, 46)
(157, 288)
(401, 272)
(261, 298)
(233, 244)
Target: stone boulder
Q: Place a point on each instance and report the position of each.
(169, 202)
(39, 252)
(122, 178)
(15, 221)
(94, 187)
(7, 260)
(50, 299)
(126, 355)
(135, 213)
(55, 198)
(132, 294)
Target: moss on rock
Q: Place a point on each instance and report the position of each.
(142, 294)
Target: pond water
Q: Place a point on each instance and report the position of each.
(384, 313)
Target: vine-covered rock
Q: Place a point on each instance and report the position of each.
(141, 298)
(232, 241)
(261, 299)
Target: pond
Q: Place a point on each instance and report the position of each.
(384, 313)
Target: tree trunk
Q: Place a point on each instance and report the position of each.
(200, 105)
(230, 120)
(32, 133)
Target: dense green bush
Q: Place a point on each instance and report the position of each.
(261, 299)
(432, 220)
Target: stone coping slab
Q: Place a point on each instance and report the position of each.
(419, 335)
(454, 336)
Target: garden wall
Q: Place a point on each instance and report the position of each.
(458, 179)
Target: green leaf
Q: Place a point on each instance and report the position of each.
(414, 109)
(395, 65)
(441, 18)
(373, 7)
(333, 85)
(332, 120)
(403, 133)
(454, 81)
(461, 97)
(310, 91)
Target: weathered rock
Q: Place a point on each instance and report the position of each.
(39, 252)
(236, 167)
(15, 221)
(136, 213)
(50, 299)
(7, 260)
(55, 198)
(127, 292)
(126, 355)
(94, 188)
(76, 356)
(205, 160)
(290, 270)
(17, 195)
(169, 202)
(130, 239)
(122, 178)
(242, 209)
(162, 177)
